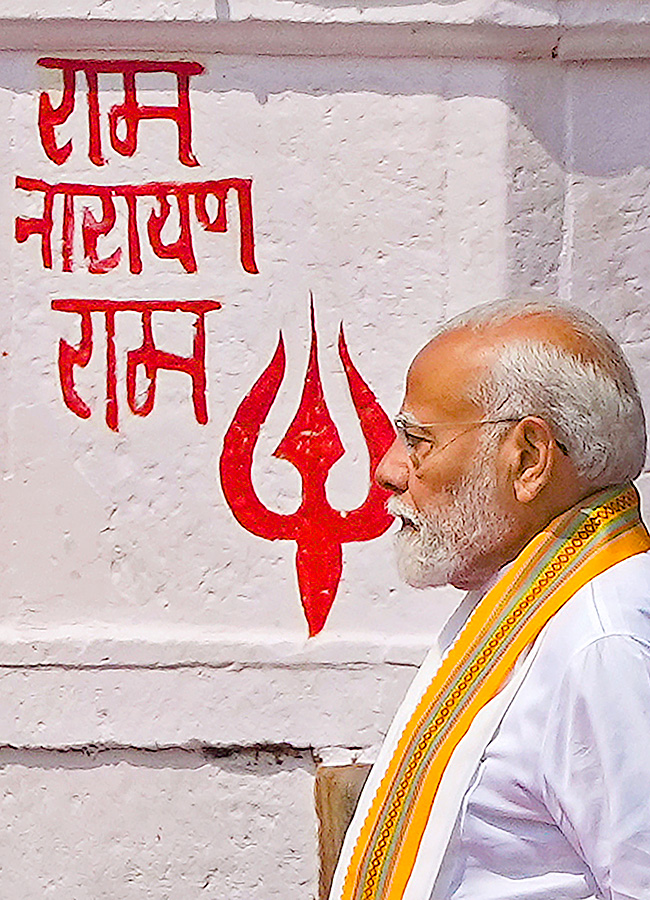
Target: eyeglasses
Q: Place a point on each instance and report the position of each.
(409, 432)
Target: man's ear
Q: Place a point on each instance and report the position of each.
(533, 450)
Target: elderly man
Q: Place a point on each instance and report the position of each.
(518, 766)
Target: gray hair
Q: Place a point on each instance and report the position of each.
(592, 404)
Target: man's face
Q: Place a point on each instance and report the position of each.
(443, 472)
(444, 543)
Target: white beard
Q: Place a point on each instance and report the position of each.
(445, 545)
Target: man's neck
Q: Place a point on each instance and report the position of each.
(465, 608)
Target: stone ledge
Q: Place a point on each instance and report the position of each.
(281, 38)
(54, 708)
(408, 35)
(94, 647)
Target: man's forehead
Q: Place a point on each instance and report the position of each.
(442, 375)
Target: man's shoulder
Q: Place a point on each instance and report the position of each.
(596, 644)
(621, 597)
(614, 604)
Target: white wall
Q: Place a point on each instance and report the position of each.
(149, 645)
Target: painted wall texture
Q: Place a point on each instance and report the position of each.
(223, 242)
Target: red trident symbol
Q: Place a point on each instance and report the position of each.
(311, 444)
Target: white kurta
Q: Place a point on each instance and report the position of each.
(559, 808)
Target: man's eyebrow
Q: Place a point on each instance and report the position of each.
(407, 419)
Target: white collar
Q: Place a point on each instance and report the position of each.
(465, 608)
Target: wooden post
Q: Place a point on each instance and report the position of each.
(337, 792)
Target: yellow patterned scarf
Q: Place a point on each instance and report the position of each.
(578, 545)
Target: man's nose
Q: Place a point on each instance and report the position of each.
(392, 472)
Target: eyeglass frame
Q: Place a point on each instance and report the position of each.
(403, 427)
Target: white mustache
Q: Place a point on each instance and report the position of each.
(400, 509)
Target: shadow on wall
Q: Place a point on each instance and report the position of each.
(592, 118)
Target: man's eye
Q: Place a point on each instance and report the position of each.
(412, 440)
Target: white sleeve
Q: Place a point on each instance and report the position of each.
(596, 763)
